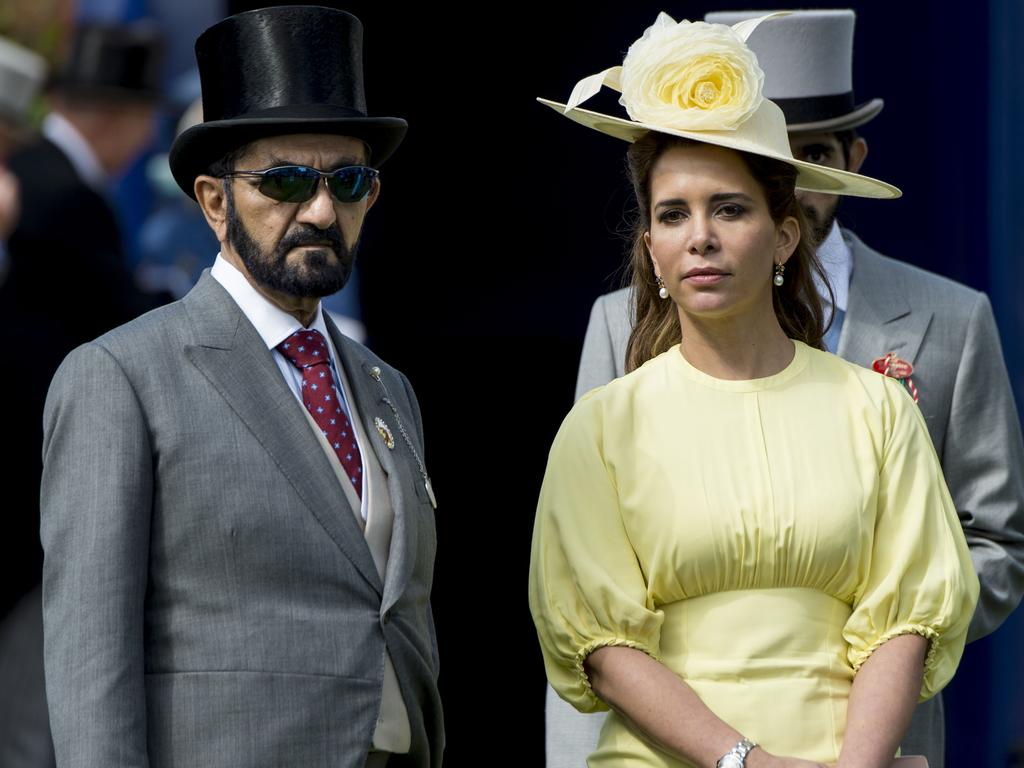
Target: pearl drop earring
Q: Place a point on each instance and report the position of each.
(779, 279)
(662, 290)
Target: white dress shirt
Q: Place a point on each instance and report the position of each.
(61, 132)
(837, 259)
(274, 325)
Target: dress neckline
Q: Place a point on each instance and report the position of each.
(801, 352)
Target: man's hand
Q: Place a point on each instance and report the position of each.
(10, 203)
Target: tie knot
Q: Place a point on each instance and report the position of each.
(304, 348)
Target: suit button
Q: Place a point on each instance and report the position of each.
(386, 617)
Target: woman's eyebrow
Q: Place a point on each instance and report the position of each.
(723, 196)
(672, 201)
(718, 197)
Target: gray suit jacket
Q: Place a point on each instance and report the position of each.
(948, 333)
(208, 596)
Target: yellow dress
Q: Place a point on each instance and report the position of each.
(760, 538)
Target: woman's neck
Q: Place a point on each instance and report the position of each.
(736, 348)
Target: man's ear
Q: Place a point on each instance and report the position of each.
(857, 154)
(212, 198)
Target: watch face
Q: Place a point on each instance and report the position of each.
(730, 761)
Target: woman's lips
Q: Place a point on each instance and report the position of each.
(705, 276)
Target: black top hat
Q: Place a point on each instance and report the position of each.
(275, 71)
(114, 62)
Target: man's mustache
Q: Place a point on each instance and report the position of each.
(309, 235)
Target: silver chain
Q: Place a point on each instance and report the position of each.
(375, 373)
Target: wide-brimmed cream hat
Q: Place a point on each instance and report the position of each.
(702, 82)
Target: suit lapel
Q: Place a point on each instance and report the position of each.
(879, 318)
(232, 356)
(619, 316)
(370, 404)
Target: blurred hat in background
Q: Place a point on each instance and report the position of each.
(22, 73)
(114, 62)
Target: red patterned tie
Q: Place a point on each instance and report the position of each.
(307, 351)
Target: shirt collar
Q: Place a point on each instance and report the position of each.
(837, 261)
(272, 323)
(59, 130)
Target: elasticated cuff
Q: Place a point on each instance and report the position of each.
(859, 657)
(592, 702)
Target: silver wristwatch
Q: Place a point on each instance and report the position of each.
(737, 756)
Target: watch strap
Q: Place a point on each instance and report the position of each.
(737, 756)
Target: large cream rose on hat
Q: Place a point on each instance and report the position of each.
(690, 76)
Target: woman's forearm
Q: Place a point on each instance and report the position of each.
(668, 712)
(882, 702)
(660, 703)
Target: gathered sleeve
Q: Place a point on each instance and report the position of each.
(917, 577)
(587, 589)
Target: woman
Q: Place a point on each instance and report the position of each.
(745, 541)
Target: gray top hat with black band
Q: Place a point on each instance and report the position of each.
(807, 58)
(21, 76)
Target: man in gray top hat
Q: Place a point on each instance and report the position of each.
(882, 311)
(237, 520)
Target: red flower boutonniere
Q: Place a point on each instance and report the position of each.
(893, 367)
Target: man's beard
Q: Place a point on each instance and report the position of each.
(820, 226)
(315, 278)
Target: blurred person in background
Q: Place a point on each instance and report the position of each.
(103, 104)
(67, 280)
(24, 724)
(21, 76)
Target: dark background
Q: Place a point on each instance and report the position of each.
(500, 222)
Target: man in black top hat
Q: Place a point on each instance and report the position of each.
(236, 514)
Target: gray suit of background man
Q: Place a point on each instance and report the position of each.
(236, 517)
(944, 329)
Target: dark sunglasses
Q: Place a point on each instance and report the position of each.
(297, 183)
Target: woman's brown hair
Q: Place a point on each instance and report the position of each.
(796, 302)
